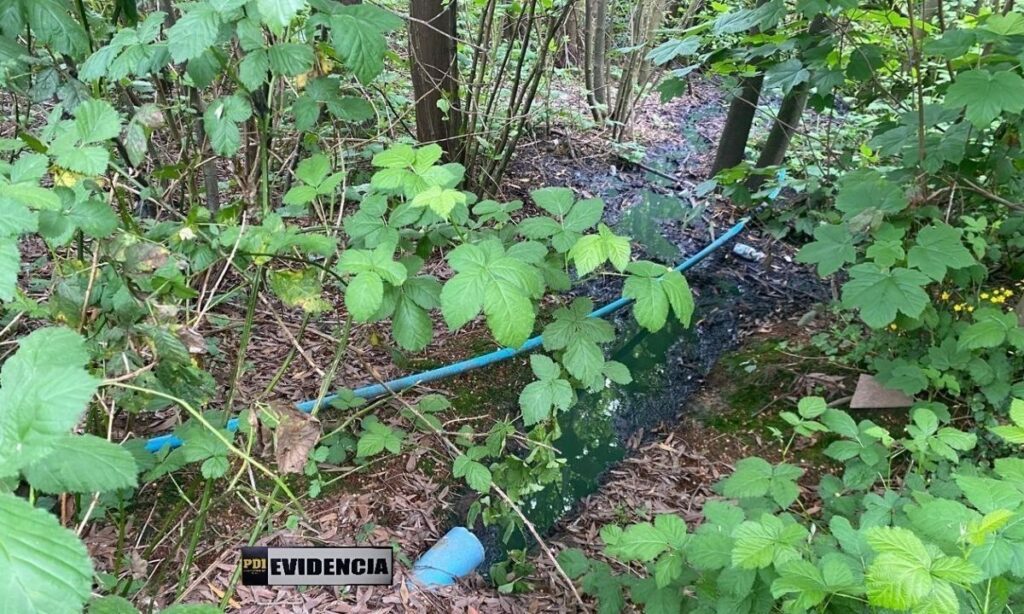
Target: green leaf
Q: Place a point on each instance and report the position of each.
(279, 13)
(554, 200)
(360, 44)
(399, 155)
(641, 542)
(35, 413)
(440, 200)
(584, 215)
(769, 541)
(537, 398)
(751, 478)
(46, 567)
(10, 265)
(83, 464)
(411, 325)
(364, 295)
(195, 32)
(899, 577)
(673, 48)
(986, 95)
(990, 329)
(938, 248)
(52, 24)
(651, 307)
(476, 474)
(591, 251)
(988, 494)
(509, 313)
(290, 59)
(96, 121)
(377, 437)
(253, 69)
(215, 467)
(833, 246)
(502, 286)
(865, 189)
(956, 570)
(880, 294)
(111, 605)
(573, 562)
(786, 75)
(675, 287)
(221, 121)
(87, 160)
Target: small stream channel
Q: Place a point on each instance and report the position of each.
(669, 366)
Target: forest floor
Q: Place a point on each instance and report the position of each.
(407, 501)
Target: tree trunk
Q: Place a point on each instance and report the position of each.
(432, 34)
(601, 52)
(787, 121)
(733, 142)
(589, 10)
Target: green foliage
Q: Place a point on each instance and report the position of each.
(926, 547)
(655, 289)
(46, 567)
(377, 437)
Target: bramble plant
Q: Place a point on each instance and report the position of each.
(160, 164)
(929, 533)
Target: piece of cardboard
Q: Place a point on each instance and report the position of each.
(870, 394)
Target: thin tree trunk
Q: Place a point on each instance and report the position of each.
(590, 58)
(733, 142)
(791, 111)
(432, 34)
(601, 52)
(773, 152)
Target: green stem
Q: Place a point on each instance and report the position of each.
(197, 530)
(255, 533)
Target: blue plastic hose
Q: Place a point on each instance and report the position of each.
(378, 390)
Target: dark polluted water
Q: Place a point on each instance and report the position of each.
(667, 368)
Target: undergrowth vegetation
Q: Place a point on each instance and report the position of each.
(160, 162)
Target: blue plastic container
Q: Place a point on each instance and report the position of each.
(455, 555)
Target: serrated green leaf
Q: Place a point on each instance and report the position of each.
(36, 413)
(833, 246)
(879, 295)
(96, 121)
(986, 94)
(937, 248)
(364, 295)
(253, 69)
(290, 59)
(46, 567)
(10, 265)
(194, 32)
(591, 251)
(377, 437)
(83, 464)
(279, 13)
(476, 474)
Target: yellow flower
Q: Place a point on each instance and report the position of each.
(958, 307)
(984, 295)
(944, 296)
(970, 308)
(892, 326)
